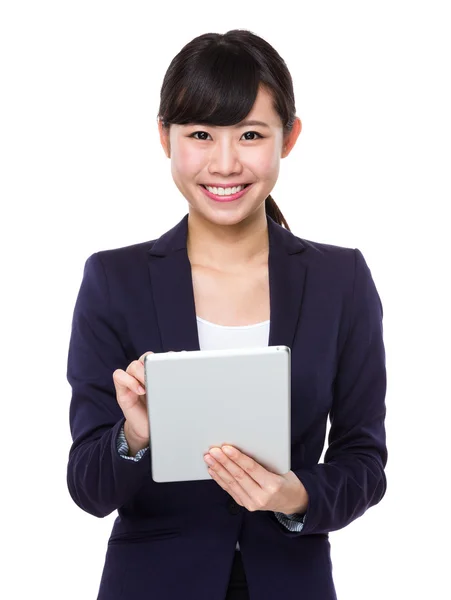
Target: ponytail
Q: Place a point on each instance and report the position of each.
(274, 212)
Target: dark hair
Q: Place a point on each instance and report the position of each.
(197, 85)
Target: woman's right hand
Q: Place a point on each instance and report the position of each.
(131, 397)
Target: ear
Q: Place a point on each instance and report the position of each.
(290, 140)
(164, 138)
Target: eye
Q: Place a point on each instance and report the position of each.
(203, 139)
(254, 133)
(196, 132)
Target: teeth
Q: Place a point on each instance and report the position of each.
(225, 191)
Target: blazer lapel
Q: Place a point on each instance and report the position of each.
(172, 287)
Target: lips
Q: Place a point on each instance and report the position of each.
(226, 197)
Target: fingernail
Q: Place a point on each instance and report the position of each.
(141, 390)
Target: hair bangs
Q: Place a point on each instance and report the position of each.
(219, 88)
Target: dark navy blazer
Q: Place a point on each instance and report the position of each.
(177, 540)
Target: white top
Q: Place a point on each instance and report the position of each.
(217, 337)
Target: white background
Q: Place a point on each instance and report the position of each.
(82, 170)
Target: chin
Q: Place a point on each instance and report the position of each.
(230, 217)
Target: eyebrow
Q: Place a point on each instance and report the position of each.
(251, 122)
(248, 122)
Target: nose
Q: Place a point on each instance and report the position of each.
(224, 158)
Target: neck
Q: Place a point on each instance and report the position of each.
(227, 247)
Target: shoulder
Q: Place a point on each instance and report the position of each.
(340, 268)
(330, 269)
(325, 251)
(328, 257)
(123, 257)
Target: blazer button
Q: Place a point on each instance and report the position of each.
(233, 507)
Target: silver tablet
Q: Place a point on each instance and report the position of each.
(204, 398)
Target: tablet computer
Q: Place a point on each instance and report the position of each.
(203, 398)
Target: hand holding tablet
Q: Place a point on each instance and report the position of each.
(131, 397)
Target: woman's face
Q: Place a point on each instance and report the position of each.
(238, 154)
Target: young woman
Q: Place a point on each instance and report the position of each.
(229, 274)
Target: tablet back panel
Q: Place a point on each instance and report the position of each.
(204, 398)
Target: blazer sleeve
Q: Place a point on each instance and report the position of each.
(98, 478)
(352, 477)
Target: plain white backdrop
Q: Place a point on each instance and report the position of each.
(82, 170)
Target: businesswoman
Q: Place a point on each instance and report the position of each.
(229, 274)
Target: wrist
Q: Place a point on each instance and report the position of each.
(135, 442)
(297, 510)
(299, 502)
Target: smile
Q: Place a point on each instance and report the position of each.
(220, 194)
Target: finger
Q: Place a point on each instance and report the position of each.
(238, 494)
(234, 476)
(136, 368)
(124, 382)
(257, 477)
(129, 395)
(141, 358)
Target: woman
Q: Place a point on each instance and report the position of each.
(230, 274)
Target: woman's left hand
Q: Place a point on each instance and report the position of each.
(253, 486)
